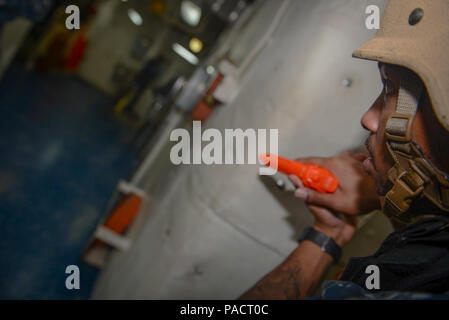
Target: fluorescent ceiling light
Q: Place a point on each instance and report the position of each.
(190, 13)
(135, 17)
(186, 54)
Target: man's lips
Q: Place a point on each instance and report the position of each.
(368, 149)
(368, 164)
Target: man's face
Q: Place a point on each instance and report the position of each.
(427, 131)
(374, 120)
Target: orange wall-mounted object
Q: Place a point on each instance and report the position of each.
(312, 176)
(201, 112)
(205, 106)
(123, 215)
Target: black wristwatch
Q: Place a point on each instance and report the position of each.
(327, 244)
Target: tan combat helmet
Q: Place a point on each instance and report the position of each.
(414, 34)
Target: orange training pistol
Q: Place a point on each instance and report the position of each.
(312, 176)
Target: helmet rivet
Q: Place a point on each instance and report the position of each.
(415, 16)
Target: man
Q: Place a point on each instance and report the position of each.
(408, 161)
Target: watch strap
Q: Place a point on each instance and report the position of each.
(326, 243)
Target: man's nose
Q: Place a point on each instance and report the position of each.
(370, 120)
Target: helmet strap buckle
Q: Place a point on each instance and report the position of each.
(399, 127)
(407, 186)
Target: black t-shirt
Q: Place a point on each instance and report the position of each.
(415, 258)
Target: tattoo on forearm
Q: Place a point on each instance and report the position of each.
(292, 289)
(282, 283)
(297, 277)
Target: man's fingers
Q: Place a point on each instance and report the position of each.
(346, 153)
(309, 195)
(302, 193)
(360, 157)
(320, 213)
(314, 197)
(296, 181)
(312, 160)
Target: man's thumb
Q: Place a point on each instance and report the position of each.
(311, 196)
(302, 193)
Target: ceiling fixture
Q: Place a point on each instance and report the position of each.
(210, 70)
(195, 45)
(135, 17)
(190, 13)
(186, 54)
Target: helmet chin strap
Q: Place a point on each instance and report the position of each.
(413, 176)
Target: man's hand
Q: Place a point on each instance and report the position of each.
(355, 194)
(337, 213)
